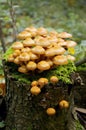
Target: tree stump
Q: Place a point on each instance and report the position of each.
(28, 112)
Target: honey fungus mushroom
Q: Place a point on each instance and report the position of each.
(23, 35)
(51, 111)
(32, 30)
(54, 79)
(22, 69)
(35, 90)
(43, 65)
(64, 104)
(70, 57)
(54, 51)
(71, 43)
(64, 35)
(60, 60)
(31, 65)
(42, 82)
(42, 31)
(38, 50)
(17, 45)
(34, 83)
(28, 42)
(24, 57)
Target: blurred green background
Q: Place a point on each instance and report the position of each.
(61, 15)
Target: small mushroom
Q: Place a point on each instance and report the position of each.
(17, 45)
(54, 79)
(43, 65)
(64, 35)
(23, 35)
(54, 51)
(11, 58)
(22, 69)
(26, 49)
(42, 31)
(16, 53)
(44, 42)
(32, 30)
(35, 90)
(64, 104)
(38, 50)
(71, 43)
(33, 56)
(31, 65)
(72, 58)
(34, 83)
(51, 111)
(24, 57)
(28, 42)
(60, 60)
(42, 82)
(16, 60)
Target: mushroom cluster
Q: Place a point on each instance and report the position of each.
(40, 50)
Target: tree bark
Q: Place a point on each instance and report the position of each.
(28, 112)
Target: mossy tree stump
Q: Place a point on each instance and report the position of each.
(28, 112)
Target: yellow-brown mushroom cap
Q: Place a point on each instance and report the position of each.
(17, 45)
(31, 65)
(35, 90)
(29, 42)
(54, 79)
(64, 104)
(38, 50)
(51, 111)
(43, 65)
(22, 69)
(60, 60)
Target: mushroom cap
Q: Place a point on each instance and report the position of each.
(34, 83)
(60, 60)
(64, 104)
(50, 62)
(51, 111)
(54, 79)
(35, 90)
(16, 60)
(44, 42)
(29, 42)
(22, 69)
(42, 31)
(64, 35)
(11, 58)
(43, 65)
(54, 51)
(16, 53)
(26, 49)
(24, 57)
(32, 30)
(23, 35)
(70, 57)
(38, 50)
(33, 56)
(71, 43)
(31, 65)
(63, 44)
(42, 82)
(17, 45)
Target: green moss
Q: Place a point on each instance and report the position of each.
(62, 72)
(8, 52)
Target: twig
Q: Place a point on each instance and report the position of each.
(2, 38)
(12, 15)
